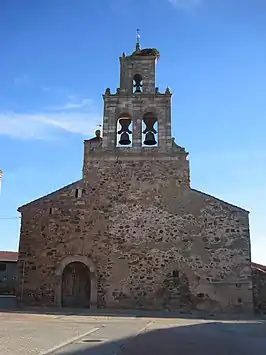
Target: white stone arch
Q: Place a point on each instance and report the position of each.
(59, 273)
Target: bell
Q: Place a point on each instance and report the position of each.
(124, 139)
(125, 123)
(149, 139)
(149, 122)
(137, 82)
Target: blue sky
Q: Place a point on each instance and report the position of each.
(58, 56)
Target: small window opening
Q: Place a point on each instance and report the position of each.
(175, 274)
(124, 132)
(238, 285)
(2, 267)
(51, 210)
(239, 300)
(137, 83)
(149, 130)
(78, 193)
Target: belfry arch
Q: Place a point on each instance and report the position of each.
(149, 129)
(124, 130)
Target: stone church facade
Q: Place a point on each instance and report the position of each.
(133, 233)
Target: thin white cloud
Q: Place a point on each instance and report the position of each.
(185, 4)
(21, 80)
(46, 88)
(58, 91)
(47, 125)
(73, 103)
(76, 115)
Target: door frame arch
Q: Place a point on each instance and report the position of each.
(59, 275)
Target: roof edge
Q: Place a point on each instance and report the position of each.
(21, 208)
(8, 256)
(218, 199)
(258, 266)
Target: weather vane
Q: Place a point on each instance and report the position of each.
(138, 39)
(138, 34)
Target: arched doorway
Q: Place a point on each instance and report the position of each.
(76, 285)
(90, 274)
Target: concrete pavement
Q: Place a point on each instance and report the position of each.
(58, 334)
(32, 334)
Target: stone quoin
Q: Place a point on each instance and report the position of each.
(132, 232)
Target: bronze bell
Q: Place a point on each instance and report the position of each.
(124, 139)
(150, 139)
(137, 82)
(125, 123)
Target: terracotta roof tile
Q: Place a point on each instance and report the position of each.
(8, 256)
(258, 267)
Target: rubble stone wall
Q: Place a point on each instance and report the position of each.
(155, 242)
(259, 290)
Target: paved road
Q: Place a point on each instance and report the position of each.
(36, 334)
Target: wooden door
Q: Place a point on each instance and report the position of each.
(76, 286)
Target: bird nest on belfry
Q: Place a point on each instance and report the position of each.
(153, 52)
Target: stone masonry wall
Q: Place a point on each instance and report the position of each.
(136, 106)
(145, 66)
(155, 242)
(259, 290)
(45, 228)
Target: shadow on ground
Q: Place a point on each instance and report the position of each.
(207, 338)
(131, 313)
